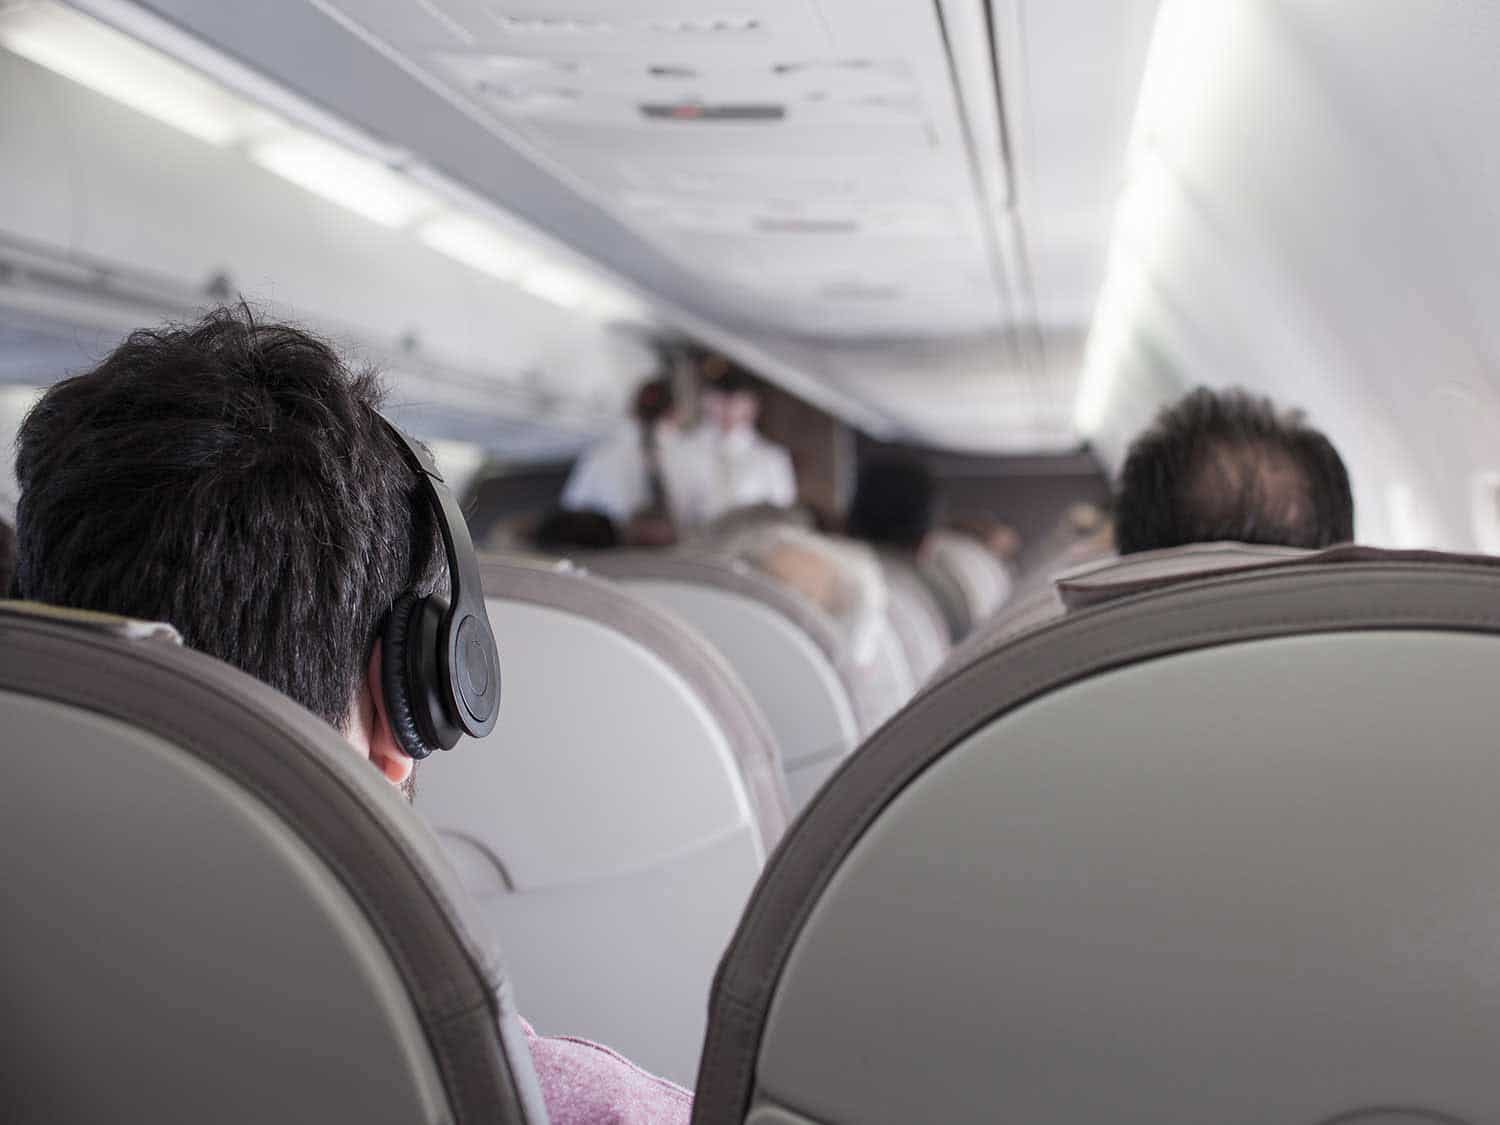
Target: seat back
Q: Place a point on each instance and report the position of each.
(1220, 849)
(915, 618)
(968, 581)
(612, 825)
(785, 650)
(216, 911)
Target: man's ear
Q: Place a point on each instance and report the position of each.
(385, 750)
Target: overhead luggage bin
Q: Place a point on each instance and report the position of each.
(612, 825)
(215, 911)
(787, 651)
(1215, 848)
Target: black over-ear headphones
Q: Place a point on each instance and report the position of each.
(441, 670)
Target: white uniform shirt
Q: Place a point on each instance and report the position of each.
(611, 477)
(708, 474)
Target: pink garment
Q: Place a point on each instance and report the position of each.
(586, 1084)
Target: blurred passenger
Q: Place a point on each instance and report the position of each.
(234, 479)
(725, 463)
(563, 530)
(1229, 466)
(895, 504)
(838, 576)
(999, 538)
(626, 476)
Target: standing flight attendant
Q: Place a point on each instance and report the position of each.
(725, 463)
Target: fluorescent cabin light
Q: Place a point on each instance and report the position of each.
(364, 186)
(117, 66)
(1120, 302)
(556, 284)
(476, 244)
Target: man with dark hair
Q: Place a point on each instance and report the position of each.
(1229, 466)
(895, 503)
(235, 479)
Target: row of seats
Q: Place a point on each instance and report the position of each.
(715, 702)
(1212, 841)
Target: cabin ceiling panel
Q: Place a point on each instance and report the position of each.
(652, 109)
(806, 172)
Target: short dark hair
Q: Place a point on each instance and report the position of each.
(234, 478)
(895, 502)
(1228, 466)
(654, 400)
(734, 381)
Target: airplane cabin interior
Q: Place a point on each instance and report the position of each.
(961, 553)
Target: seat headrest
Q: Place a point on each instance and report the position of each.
(1111, 579)
(128, 628)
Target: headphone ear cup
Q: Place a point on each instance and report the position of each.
(396, 654)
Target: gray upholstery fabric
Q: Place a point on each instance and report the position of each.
(1343, 600)
(755, 749)
(229, 772)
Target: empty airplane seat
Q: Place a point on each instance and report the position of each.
(916, 618)
(1211, 847)
(613, 823)
(216, 911)
(968, 581)
(787, 651)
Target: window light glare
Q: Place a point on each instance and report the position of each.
(113, 64)
(476, 244)
(355, 182)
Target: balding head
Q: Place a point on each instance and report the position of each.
(1230, 467)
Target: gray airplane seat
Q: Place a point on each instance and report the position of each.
(788, 652)
(916, 618)
(1217, 848)
(969, 583)
(214, 910)
(613, 823)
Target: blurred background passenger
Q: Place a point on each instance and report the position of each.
(894, 505)
(998, 537)
(725, 463)
(838, 576)
(1230, 466)
(625, 477)
(565, 530)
